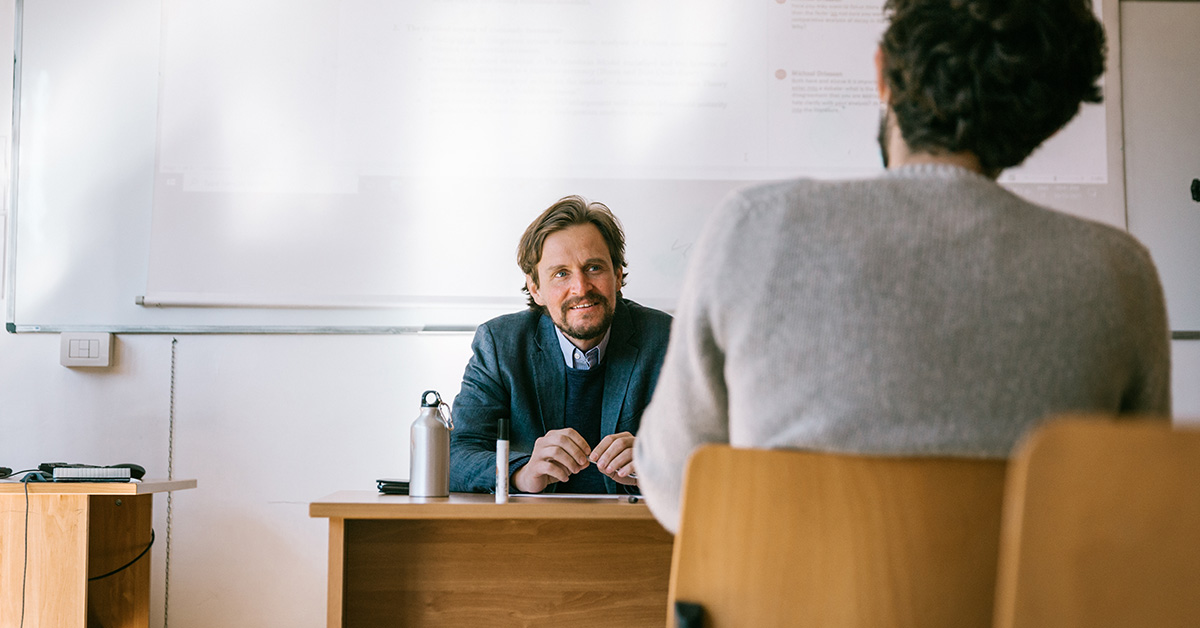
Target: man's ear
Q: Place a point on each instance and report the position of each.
(532, 287)
(885, 92)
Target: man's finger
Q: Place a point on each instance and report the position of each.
(552, 470)
(570, 441)
(604, 453)
(620, 460)
(602, 446)
(564, 459)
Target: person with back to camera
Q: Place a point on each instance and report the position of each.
(927, 311)
(572, 374)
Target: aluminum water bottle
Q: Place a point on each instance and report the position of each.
(429, 454)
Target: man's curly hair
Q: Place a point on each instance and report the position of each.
(994, 78)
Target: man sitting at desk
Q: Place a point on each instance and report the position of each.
(926, 311)
(572, 373)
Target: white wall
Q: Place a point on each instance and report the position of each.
(1185, 380)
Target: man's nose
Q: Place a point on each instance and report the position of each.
(580, 284)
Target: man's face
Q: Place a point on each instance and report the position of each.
(577, 283)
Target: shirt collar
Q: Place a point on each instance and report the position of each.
(569, 350)
(931, 170)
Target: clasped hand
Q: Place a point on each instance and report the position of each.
(562, 453)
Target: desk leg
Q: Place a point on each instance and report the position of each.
(55, 575)
(337, 553)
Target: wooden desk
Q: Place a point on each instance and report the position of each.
(77, 531)
(467, 561)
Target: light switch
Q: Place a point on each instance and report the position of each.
(93, 349)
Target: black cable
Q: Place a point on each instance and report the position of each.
(16, 473)
(25, 557)
(128, 564)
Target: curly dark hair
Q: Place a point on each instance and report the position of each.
(994, 78)
(567, 212)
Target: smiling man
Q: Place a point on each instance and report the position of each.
(572, 374)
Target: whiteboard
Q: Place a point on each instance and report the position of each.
(363, 165)
(1162, 152)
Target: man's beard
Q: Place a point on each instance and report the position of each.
(883, 134)
(590, 332)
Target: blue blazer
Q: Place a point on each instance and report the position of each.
(517, 371)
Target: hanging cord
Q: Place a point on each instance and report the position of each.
(170, 494)
(25, 560)
(128, 564)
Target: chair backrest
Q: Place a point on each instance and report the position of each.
(1102, 527)
(791, 538)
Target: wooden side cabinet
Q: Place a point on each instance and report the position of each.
(57, 536)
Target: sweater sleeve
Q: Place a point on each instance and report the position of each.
(482, 401)
(690, 405)
(1149, 393)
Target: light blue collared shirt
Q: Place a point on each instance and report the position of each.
(575, 357)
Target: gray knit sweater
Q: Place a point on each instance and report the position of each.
(927, 311)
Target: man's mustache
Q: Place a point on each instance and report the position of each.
(598, 299)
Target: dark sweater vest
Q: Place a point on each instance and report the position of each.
(585, 400)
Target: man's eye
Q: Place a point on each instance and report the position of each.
(594, 268)
(560, 274)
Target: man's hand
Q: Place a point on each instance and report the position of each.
(556, 457)
(614, 457)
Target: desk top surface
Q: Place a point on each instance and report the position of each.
(96, 488)
(375, 505)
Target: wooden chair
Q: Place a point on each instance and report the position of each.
(790, 538)
(1102, 527)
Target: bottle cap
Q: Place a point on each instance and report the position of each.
(502, 429)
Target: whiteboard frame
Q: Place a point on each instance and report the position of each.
(10, 250)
